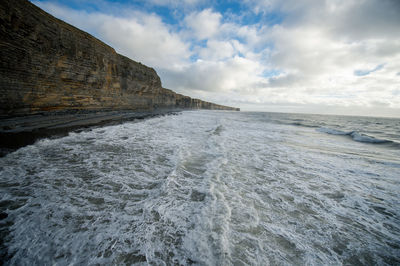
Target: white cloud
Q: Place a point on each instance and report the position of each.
(322, 45)
(217, 50)
(145, 38)
(204, 24)
(176, 3)
(236, 74)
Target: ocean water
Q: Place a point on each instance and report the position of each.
(207, 188)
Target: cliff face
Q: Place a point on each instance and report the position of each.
(47, 64)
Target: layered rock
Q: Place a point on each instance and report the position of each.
(47, 64)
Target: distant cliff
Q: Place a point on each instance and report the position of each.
(47, 64)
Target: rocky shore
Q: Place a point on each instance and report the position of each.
(55, 78)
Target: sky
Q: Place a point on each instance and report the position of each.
(306, 56)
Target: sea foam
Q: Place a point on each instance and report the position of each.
(203, 188)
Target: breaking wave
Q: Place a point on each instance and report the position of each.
(357, 136)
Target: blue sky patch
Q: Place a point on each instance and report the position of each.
(367, 72)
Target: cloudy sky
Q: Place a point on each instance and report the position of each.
(312, 56)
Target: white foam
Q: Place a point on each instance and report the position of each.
(203, 187)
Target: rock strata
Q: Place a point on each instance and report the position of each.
(49, 65)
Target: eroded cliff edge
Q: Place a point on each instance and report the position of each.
(47, 64)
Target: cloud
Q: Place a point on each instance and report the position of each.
(145, 38)
(217, 50)
(204, 24)
(325, 49)
(235, 74)
(176, 3)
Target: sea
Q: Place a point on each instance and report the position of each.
(207, 188)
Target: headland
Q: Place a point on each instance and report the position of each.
(51, 70)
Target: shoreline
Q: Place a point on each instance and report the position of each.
(20, 131)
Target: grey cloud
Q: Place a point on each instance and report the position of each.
(353, 19)
(379, 103)
(370, 19)
(284, 81)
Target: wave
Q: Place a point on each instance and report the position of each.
(333, 131)
(295, 122)
(357, 136)
(368, 139)
(302, 124)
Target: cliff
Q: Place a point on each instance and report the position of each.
(47, 64)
